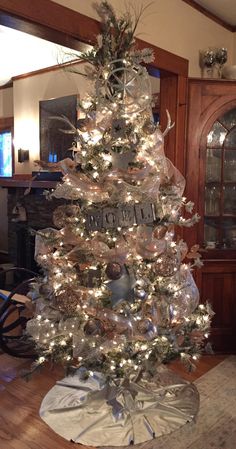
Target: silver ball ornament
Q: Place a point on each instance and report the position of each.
(140, 293)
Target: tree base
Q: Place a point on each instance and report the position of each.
(95, 413)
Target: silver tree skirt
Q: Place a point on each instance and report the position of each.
(95, 413)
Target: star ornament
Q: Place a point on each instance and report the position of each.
(129, 85)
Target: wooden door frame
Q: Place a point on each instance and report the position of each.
(59, 24)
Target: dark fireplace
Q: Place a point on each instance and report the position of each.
(25, 242)
(38, 214)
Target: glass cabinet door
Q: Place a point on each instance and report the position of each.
(220, 184)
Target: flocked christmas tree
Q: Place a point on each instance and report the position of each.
(117, 295)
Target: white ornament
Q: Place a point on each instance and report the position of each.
(127, 85)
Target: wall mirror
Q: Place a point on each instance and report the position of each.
(57, 140)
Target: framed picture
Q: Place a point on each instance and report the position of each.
(56, 136)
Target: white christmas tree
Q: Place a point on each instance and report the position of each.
(117, 295)
(115, 288)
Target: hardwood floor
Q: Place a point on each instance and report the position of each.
(20, 424)
(205, 363)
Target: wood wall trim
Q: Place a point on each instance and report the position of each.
(165, 60)
(62, 25)
(173, 97)
(210, 15)
(46, 70)
(41, 18)
(7, 85)
(211, 80)
(54, 16)
(25, 183)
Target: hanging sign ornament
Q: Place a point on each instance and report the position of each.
(126, 84)
(124, 215)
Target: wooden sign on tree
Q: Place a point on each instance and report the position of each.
(125, 215)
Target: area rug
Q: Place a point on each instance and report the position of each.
(215, 426)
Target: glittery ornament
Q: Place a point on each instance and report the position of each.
(68, 300)
(113, 270)
(94, 327)
(65, 214)
(144, 325)
(146, 329)
(166, 265)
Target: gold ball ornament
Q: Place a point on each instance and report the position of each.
(65, 214)
(166, 265)
(68, 301)
(113, 270)
(146, 329)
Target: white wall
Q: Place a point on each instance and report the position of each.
(27, 94)
(6, 102)
(172, 25)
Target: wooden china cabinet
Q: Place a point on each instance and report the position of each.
(211, 184)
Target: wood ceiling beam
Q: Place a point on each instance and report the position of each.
(62, 25)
